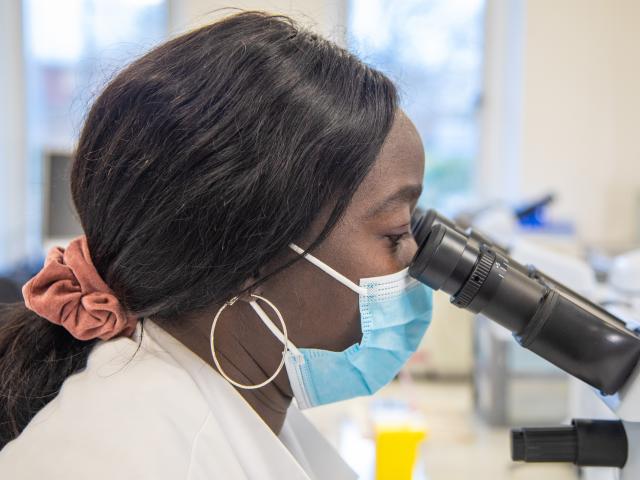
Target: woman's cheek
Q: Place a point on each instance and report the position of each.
(406, 252)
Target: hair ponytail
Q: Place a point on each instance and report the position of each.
(36, 357)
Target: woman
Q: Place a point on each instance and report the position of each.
(204, 175)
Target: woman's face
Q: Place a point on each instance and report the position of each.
(372, 239)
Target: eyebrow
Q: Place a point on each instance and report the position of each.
(406, 194)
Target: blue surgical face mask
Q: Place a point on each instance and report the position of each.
(395, 311)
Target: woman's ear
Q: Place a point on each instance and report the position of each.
(247, 288)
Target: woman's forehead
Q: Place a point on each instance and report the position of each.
(399, 164)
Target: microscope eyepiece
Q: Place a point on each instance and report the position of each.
(440, 253)
(423, 222)
(544, 316)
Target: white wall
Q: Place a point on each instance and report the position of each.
(324, 16)
(580, 112)
(575, 128)
(12, 135)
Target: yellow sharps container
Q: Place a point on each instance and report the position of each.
(397, 450)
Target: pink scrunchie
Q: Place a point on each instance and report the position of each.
(68, 291)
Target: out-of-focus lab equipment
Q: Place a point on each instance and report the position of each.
(580, 337)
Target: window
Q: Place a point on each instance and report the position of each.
(433, 50)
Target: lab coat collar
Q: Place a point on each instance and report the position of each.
(309, 456)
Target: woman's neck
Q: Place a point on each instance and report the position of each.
(247, 352)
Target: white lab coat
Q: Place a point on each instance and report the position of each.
(162, 413)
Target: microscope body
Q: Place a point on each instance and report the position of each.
(548, 318)
(625, 404)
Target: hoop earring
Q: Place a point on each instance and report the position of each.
(213, 348)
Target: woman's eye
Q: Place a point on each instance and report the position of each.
(394, 240)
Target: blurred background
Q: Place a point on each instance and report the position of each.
(528, 113)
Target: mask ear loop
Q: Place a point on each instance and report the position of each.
(330, 271)
(213, 348)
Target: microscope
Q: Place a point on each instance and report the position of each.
(551, 320)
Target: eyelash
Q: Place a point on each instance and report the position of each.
(396, 239)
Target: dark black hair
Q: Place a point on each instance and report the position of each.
(195, 167)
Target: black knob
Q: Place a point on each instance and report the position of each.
(593, 443)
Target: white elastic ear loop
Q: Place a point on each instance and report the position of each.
(271, 327)
(327, 269)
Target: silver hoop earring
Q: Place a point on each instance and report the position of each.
(213, 348)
